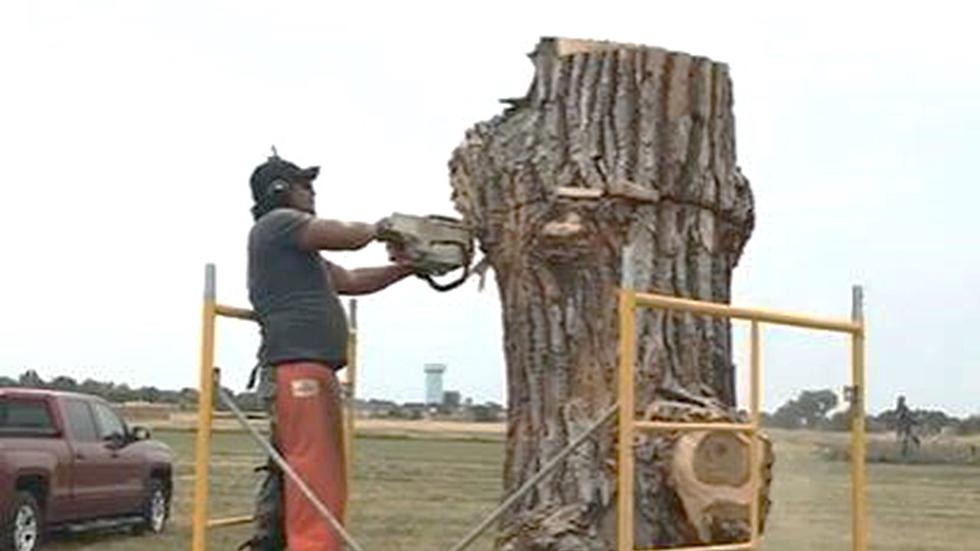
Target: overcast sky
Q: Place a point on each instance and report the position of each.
(128, 131)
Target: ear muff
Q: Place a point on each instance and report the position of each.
(278, 186)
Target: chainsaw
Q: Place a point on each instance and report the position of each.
(435, 246)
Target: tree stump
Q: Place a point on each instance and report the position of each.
(614, 147)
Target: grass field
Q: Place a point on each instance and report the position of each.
(422, 490)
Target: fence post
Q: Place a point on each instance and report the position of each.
(350, 387)
(627, 350)
(205, 401)
(755, 449)
(859, 528)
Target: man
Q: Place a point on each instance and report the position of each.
(904, 423)
(294, 292)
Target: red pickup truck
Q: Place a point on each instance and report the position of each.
(69, 460)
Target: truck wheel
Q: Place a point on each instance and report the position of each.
(156, 508)
(24, 529)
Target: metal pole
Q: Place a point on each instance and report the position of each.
(230, 521)
(742, 546)
(288, 471)
(716, 309)
(627, 414)
(350, 394)
(533, 481)
(202, 449)
(754, 447)
(692, 426)
(233, 312)
(859, 528)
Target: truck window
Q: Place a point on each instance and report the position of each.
(109, 423)
(24, 416)
(80, 421)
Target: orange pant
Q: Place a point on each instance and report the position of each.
(309, 433)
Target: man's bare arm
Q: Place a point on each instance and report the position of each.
(334, 235)
(363, 281)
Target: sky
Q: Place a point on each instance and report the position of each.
(128, 131)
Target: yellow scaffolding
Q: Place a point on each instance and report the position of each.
(630, 301)
(208, 378)
(624, 409)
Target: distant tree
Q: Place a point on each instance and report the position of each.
(30, 379)
(187, 398)
(121, 393)
(91, 386)
(249, 401)
(66, 384)
(969, 425)
(808, 410)
(219, 404)
(840, 421)
(170, 396)
(487, 413)
(149, 394)
(932, 421)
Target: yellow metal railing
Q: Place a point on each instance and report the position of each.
(202, 451)
(630, 301)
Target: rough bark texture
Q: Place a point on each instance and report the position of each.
(613, 147)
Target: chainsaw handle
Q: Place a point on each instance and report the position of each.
(443, 287)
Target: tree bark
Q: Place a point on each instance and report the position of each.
(614, 147)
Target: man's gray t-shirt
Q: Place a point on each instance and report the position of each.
(291, 291)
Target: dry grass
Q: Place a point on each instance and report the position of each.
(939, 450)
(911, 507)
(416, 489)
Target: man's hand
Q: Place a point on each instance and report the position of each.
(398, 254)
(381, 226)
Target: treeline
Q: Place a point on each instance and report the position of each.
(818, 410)
(811, 409)
(185, 398)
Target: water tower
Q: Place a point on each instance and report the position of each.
(433, 383)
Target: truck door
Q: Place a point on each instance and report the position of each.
(126, 462)
(91, 470)
(34, 436)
